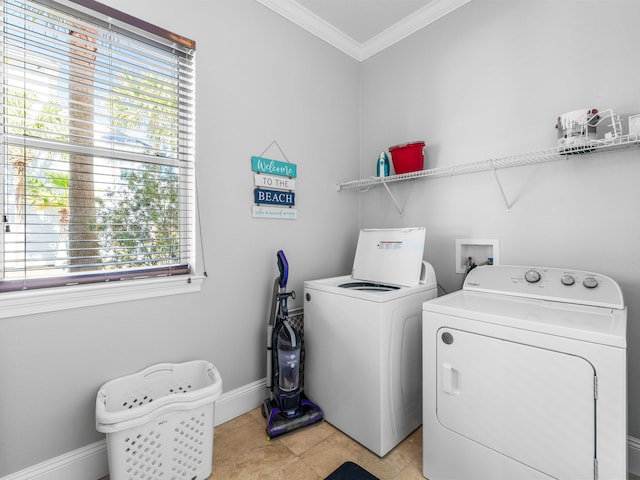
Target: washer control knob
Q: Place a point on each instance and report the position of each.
(532, 276)
(568, 280)
(590, 282)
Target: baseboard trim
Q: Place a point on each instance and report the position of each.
(241, 400)
(90, 462)
(633, 450)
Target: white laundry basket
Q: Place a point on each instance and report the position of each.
(159, 421)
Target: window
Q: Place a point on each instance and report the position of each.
(97, 146)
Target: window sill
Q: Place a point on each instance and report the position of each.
(13, 304)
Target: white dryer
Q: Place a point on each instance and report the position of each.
(525, 377)
(363, 339)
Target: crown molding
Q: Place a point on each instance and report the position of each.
(408, 26)
(291, 10)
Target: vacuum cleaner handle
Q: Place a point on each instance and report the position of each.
(283, 266)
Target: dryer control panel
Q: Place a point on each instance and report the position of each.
(554, 284)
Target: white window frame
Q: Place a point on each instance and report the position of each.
(13, 304)
(28, 302)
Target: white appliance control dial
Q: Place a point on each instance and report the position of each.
(590, 282)
(568, 280)
(532, 276)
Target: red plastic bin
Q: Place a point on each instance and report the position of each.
(407, 157)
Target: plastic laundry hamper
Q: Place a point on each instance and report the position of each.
(159, 421)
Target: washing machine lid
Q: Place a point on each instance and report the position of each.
(389, 256)
(336, 286)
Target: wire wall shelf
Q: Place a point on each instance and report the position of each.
(620, 142)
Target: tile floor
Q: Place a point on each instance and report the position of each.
(242, 452)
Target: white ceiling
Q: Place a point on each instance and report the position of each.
(362, 28)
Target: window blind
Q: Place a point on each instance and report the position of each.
(97, 146)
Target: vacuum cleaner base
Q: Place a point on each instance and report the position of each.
(278, 423)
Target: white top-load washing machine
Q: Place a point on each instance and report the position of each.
(363, 339)
(525, 377)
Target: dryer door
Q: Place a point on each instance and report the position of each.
(534, 405)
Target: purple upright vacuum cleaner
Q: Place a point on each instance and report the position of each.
(287, 408)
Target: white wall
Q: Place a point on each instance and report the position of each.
(259, 78)
(489, 80)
